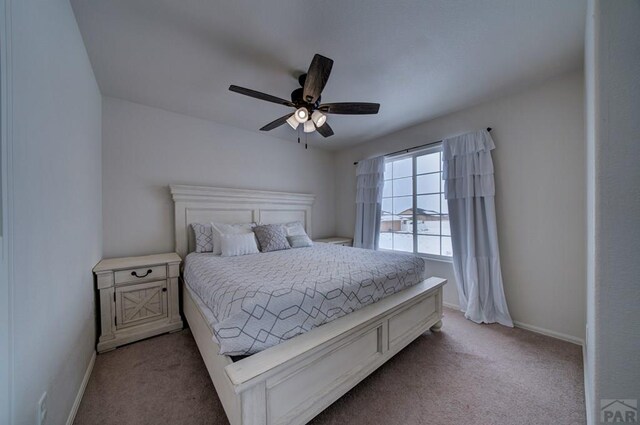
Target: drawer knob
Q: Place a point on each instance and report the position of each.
(144, 275)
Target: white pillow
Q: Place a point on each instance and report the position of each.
(295, 228)
(238, 244)
(218, 229)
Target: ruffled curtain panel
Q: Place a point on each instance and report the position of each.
(369, 185)
(470, 192)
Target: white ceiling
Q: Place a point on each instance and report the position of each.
(419, 58)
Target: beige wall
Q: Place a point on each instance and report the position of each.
(145, 149)
(56, 212)
(540, 170)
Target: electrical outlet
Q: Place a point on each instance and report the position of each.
(42, 409)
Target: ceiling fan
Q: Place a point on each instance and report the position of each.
(306, 100)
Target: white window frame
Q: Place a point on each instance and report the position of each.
(435, 147)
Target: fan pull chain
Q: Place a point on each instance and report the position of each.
(305, 140)
(298, 134)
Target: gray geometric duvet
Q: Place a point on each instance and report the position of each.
(260, 300)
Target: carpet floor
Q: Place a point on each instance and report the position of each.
(466, 374)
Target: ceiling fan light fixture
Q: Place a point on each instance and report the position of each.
(293, 122)
(302, 115)
(318, 118)
(309, 127)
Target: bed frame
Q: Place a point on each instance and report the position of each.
(292, 382)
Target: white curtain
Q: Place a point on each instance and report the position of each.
(470, 192)
(369, 185)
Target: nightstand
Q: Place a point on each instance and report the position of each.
(336, 241)
(138, 298)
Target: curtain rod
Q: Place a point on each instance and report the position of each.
(415, 147)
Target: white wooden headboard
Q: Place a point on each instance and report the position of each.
(202, 204)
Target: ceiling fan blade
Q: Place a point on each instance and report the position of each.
(350, 108)
(276, 123)
(325, 130)
(317, 77)
(260, 95)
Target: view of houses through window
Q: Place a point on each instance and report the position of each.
(414, 212)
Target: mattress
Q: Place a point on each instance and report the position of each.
(257, 301)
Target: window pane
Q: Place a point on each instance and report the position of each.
(446, 228)
(386, 240)
(429, 244)
(403, 242)
(429, 225)
(428, 163)
(446, 247)
(386, 189)
(387, 170)
(402, 168)
(445, 206)
(428, 204)
(429, 183)
(402, 187)
(403, 205)
(387, 208)
(389, 222)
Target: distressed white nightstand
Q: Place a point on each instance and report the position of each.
(138, 298)
(336, 241)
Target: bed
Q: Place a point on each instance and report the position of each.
(294, 377)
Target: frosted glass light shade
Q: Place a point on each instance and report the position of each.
(319, 118)
(302, 115)
(293, 122)
(309, 127)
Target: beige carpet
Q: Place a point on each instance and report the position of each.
(467, 374)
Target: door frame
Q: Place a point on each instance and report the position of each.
(6, 215)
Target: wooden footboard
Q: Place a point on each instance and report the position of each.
(294, 381)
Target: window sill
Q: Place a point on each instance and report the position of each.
(439, 258)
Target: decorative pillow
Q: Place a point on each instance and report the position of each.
(221, 228)
(203, 237)
(272, 237)
(295, 228)
(239, 244)
(299, 241)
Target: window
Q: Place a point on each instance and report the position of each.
(414, 212)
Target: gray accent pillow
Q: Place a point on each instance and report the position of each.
(203, 236)
(299, 241)
(271, 237)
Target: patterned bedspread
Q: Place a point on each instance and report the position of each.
(263, 299)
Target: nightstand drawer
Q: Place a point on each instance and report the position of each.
(140, 274)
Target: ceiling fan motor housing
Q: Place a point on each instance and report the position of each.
(296, 99)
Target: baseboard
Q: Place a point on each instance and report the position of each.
(547, 332)
(536, 329)
(587, 388)
(83, 386)
(453, 306)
